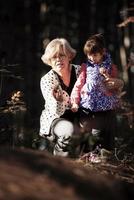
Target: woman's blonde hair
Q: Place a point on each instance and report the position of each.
(54, 46)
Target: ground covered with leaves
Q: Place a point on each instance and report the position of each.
(119, 169)
(119, 163)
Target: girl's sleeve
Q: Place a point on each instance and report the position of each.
(75, 94)
(114, 71)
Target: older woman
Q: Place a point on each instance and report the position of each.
(56, 121)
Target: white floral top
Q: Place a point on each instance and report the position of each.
(53, 108)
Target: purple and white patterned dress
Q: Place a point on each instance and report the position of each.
(93, 93)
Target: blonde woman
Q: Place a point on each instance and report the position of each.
(56, 121)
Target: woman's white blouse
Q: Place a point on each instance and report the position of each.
(53, 108)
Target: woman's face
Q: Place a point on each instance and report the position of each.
(96, 58)
(59, 61)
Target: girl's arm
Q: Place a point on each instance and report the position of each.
(114, 71)
(75, 95)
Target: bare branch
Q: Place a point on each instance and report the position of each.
(127, 21)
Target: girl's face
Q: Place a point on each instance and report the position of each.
(59, 61)
(96, 58)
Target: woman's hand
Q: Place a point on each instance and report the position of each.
(57, 93)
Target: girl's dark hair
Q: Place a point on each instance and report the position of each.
(94, 44)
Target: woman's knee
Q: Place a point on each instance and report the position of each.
(63, 129)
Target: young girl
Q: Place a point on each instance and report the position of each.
(90, 90)
(91, 94)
